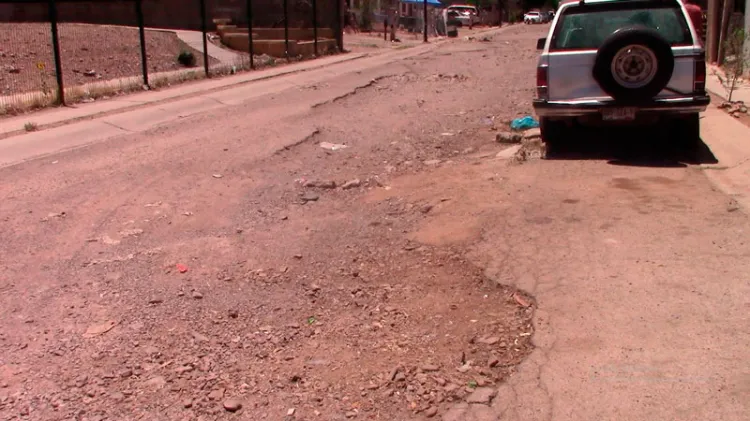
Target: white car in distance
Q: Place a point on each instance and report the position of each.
(467, 15)
(532, 17)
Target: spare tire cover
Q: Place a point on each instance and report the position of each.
(634, 64)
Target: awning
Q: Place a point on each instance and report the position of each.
(435, 3)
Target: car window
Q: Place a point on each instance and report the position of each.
(586, 27)
(464, 9)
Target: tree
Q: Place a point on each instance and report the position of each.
(736, 60)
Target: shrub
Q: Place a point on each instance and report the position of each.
(186, 58)
(735, 62)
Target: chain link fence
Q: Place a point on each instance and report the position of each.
(67, 51)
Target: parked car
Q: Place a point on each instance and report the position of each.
(467, 15)
(548, 16)
(532, 17)
(613, 62)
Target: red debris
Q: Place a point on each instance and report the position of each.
(182, 268)
(521, 301)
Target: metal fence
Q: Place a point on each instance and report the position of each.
(66, 51)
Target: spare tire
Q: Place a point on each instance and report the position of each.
(634, 64)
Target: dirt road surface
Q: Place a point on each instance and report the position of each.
(229, 267)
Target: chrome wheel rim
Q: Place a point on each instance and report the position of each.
(634, 66)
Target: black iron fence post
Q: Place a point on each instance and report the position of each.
(56, 52)
(425, 20)
(142, 33)
(339, 27)
(250, 49)
(286, 28)
(315, 25)
(204, 30)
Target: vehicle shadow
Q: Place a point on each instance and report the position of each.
(631, 147)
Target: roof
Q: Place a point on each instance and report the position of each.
(435, 3)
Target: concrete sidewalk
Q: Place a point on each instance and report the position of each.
(194, 39)
(729, 140)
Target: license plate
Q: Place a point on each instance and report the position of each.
(618, 114)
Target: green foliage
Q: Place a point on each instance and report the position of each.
(736, 60)
(186, 58)
(366, 20)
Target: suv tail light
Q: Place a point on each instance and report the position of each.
(699, 78)
(542, 90)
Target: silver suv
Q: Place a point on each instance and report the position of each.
(621, 62)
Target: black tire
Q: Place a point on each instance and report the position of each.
(623, 38)
(688, 130)
(553, 132)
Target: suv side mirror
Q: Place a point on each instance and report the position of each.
(540, 43)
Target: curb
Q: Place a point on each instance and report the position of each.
(729, 141)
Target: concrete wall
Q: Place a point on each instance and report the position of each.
(276, 48)
(276, 33)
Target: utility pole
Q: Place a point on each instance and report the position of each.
(726, 14)
(712, 30)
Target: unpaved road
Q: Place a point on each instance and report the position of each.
(206, 265)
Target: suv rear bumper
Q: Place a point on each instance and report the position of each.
(682, 105)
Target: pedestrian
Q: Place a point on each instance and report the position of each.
(696, 17)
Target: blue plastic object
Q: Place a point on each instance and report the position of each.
(524, 123)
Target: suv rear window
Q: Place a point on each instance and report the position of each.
(587, 26)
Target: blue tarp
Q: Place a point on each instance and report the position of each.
(435, 3)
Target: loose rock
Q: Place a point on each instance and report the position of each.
(508, 137)
(310, 197)
(327, 184)
(157, 382)
(232, 405)
(482, 395)
(492, 340)
(431, 412)
(352, 184)
(216, 394)
(532, 134)
(430, 367)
